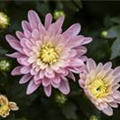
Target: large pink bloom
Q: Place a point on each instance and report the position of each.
(46, 55)
(100, 83)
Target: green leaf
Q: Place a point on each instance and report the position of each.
(116, 20)
(115, 48)
(113, 32)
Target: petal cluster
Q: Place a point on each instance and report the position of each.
(6, 106)
(46, 54)
(100, 83)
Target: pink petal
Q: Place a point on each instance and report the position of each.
(29, 44)
(75, 41)
(35, 34)
(113, 104)
(86, 40)
(99, 67)
(116, 71)
(117, 100)
(108, 111)
(16, 71)
(22, 42)
(49, 75)
(83, 58)
(116, 94)
(57, 80)
(115, 87)
(109, 99)
(25, 79)
(72, 53)
(60, 20)
(36, 79)
(107, 66)
(48, 90)
(72, 30)
(102, 105)
(15, 55)
(55, 85)
(81, 83)
(14, 43)
(33, 19)
(26, 51)
(91, 64)
(27, 34)
(59, 23)
(25, 69)
(41, 74)
(32, 87)
(41, 28)
(33, 71)
(64, 87)
(55, 28)
(76, 62)
(46, 82)
(74, 70)
(117, 80)
(48, 20)
(71, 76)
(26, 26)
(23, 61)
(32, 59)
(81, 50)
(19, 34)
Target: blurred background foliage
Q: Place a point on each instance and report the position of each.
(99, 19)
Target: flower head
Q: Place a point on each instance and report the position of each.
(6, 106)
(46, 55)
(100, 83)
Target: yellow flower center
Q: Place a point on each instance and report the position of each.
(97, 88)
(48, 53)
(4, 108)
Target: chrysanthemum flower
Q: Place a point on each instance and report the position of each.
(46, 55)
(100, 83)
(6, 106)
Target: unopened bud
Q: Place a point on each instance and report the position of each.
(93, 117)
(57, 14)
(4, 20)
(60, 99)
(5, 65)
(104, 34)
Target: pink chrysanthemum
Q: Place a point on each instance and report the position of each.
(46, 55)
(100, 83)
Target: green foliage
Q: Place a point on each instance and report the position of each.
(114, 33)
